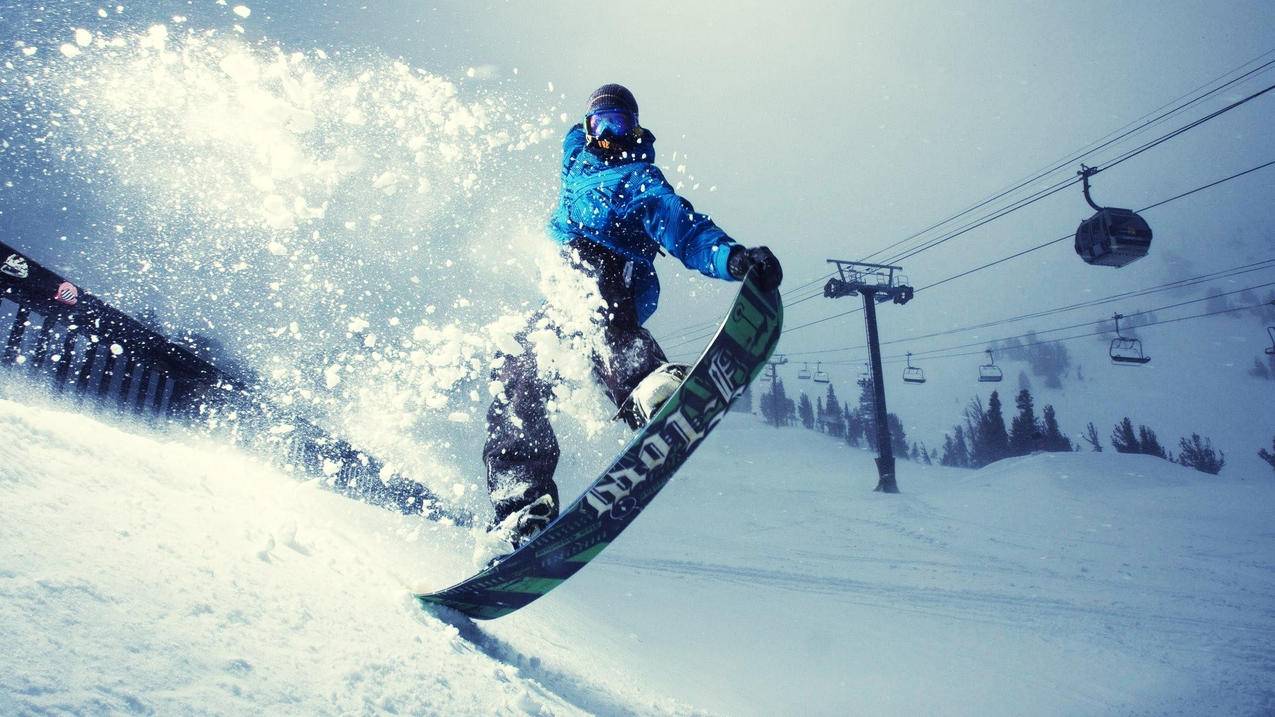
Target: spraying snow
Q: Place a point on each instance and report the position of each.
(365, 236)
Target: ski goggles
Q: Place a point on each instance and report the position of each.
(617, 123)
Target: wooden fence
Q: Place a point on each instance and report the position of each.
(80, 347)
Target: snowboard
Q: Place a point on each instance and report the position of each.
(735, 356)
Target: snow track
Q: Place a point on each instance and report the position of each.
(152, 573)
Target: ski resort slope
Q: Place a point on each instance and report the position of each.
(146, 573)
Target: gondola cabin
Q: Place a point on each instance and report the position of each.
(1113, 237)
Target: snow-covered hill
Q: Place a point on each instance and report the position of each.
(151, 573)
(1197, 382)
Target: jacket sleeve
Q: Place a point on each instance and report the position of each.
(672, 221)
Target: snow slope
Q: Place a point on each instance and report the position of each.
(152, 573)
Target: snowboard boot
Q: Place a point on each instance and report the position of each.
(515, 530)
(526, 523)
(652, 393)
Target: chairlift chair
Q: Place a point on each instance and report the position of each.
(804, 372)
(913, 374)
(990, 372)
(1111, 237)
(821, 376)
(1126, 350)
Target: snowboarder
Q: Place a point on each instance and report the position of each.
(615, 212)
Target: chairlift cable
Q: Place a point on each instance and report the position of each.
(987, 219)
(704, 329)
(1068, 236)
(1072, 158)
(1022, 203)
(1051, 190)
(1041, 194)
(1101, 332)
(1168, 286)
(940, 353)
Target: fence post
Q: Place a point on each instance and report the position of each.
(157, 402)
(64, 360)
(126, 383)
(86, 370)
(19, 328)
(108, 375)
(42, 341)
(143, 387)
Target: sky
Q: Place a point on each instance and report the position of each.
(829, 129)
(822, 130)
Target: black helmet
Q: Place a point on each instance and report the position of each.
(612, 115)
(612, 97)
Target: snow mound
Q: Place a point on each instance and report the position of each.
(155, 573)
(146, 576)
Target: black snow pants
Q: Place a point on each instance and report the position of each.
(521, 451)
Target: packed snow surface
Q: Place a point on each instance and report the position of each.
(145, 572)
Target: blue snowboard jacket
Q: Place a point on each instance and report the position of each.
(627, 206)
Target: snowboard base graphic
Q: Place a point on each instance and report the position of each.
(734, 357)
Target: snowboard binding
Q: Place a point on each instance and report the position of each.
(650, 394)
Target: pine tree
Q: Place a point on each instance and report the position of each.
(821, 417)
(1199, 454)
(1149, 444)
(775, 404)
(973, 427)
(1053, 439)
(836, 423)
(925, 455)
(1025, 433)
(1091, 437)
(806, 411)
(1268, 456)
(914, 454)
(962, 456)
(991, 442)
(867, 397)
(956, 452)
(898, 439)
(854, 427)
(1123, 439)
(997, 437)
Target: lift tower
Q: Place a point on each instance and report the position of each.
(877, 283)
(774, 363)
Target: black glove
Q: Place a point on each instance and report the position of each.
(759, 258)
